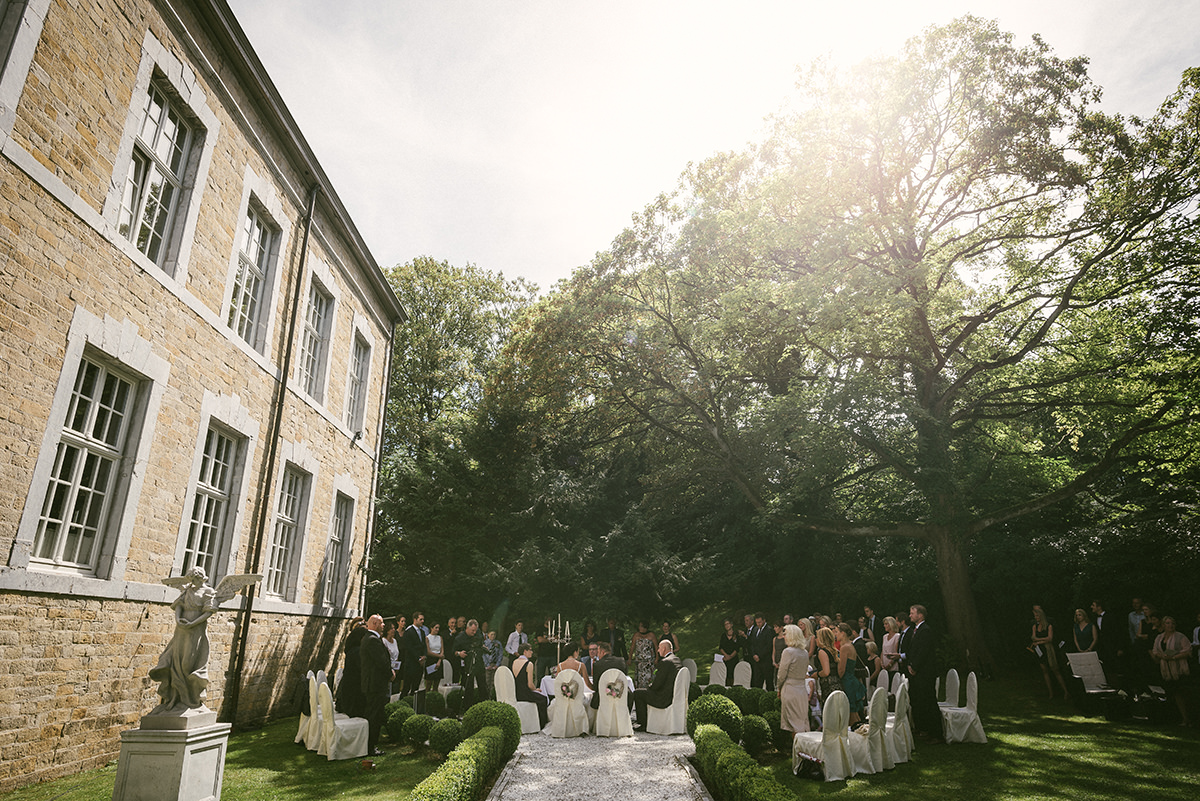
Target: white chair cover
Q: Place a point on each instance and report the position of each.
(883, 681)
(962, 724)
(951, 699)
(323, 679)
(569, 716)
(1086, 667)
(302, 731)
(718, 673)
(879, 745)
(312, 740)
(612, 718)
(337, 679)
(342, 737)
(899, 725)
(673, 719)
(830, 747)
(742, 673)
(690, 664)
(506, 693)
(897, 680)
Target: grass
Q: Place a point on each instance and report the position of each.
(265, 765)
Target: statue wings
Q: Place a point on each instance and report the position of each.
(232, 585)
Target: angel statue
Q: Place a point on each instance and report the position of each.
(182, 670)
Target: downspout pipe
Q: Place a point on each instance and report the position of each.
(385, 393)
(229, 708)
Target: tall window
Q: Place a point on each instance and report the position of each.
(155, 181)
(210, 507)
(254, 251)
(286, 537)
(335, 555)
(315, 341)
(10, 20)
(92, 444)
(356, 385)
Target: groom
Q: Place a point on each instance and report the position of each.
(662, 690)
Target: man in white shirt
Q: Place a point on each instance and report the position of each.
(1135, 620)
(515, 640)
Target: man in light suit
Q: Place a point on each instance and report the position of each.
(662, 689)
(376, 674)
(921, 659)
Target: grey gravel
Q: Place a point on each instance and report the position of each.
(645, 767)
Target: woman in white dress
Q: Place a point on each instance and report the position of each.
(890, 652)
(791, 681)
(434, 653)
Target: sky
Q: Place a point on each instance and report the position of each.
(521, 135)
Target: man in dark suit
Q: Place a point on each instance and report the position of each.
(861, 668)
(468, 646)
(921, 658)
(615, 638)
(761, 662)
(661, 692)
(375, 669)
(605, 660)
(349, 693)
(414, 660)
(875, 626)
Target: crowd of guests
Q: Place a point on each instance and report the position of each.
(1137, 650)
(805, 659)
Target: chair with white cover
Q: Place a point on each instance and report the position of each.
(612, 718)
(882, 680)
(302, 731)
(717, 673)
(951, 699)
(322, 678)
(506, 693)
(829, 748)
(879, 744)
(342, 737)
(899, 726)
(672, 719)
(569, 709)
(741, 674)
(337, 678)
(447, 683)
(897, 680)
(961, 723)
(690, 664)
(312, 739)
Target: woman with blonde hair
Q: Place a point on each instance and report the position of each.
(1041, 643)
(890, 652)
(791, 681)
(828, 679)
(1171, 651)
(810, 642)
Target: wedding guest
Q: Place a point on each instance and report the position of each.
(615, 638)
(526, 685)
(393, 647)
(874, 626)
(661, 692)
(806, 630)
(643, 644)
(605, 661)
(1148, 631)
(401, 625)
(890, 654)
(590, 635)
(777, 645)
(1135, 620)
(826, 665)
(493, 658)
(450, 634)
(761, 670)
(856, 692)
(859, 641)
(874, 663)
(1171, 651)
(516, 639)
(921, 663)
(1084, 632)
(468, 647)
(588, 662)
(730, 650)
(669, 637)
(1043, 645)
(415, 655)
(792, 681)
(349, 689)
(547, 654)
(435, 653)
(375, 680)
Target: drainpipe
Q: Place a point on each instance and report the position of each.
(229, 708)
(384, 393)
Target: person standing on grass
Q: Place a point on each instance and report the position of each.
(1171, 651)
(921, 659)
(375, 680)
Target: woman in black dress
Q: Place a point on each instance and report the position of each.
(526, 689)
(730, 648)
(1045, 648)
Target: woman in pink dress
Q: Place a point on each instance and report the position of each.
(890, 653)
(791, 681)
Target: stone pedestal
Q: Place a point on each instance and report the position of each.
(171, 764)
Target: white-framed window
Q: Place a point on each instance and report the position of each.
(333, 592)
(314, 341)
(154, 184)
(356, 383)
(288, 534)
(210, 513)
(247, 309)
(10, 20)
(77, 506)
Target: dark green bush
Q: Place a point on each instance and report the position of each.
(730, 773)
(486, 750)
(759, 785)
(769, 702)
(780, 737)
(435, 704)
(737, 694)
(390, 707)
(495, 713)
(694, 692)
(407, 701)
(445, 735)
(416, 730)
(711, 742)
(454, 701)
(759, 700)
(731, 764)
(395, 722)
(716, 689)
(467, 769)
(756, 734)
(712, 708)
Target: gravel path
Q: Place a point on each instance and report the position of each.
(645, 767)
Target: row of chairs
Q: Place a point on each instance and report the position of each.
(331, 734)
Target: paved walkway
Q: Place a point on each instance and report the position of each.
(645, 767)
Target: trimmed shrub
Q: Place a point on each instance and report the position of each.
(486, 749)
(407, 701)
(395, 722)
(758, 700)
(467, 768)
(769, 703)
(454, 701)
(711, 742)
(746, 699)
(759, 785)
(494, 713)
(445, 735)
(737, 694)
(435, 704)
(416, 730)
(712, 708)
(731, 764)
(694, 692)
(756, 734)
(732, 774)
(716, 689)
(780, 737)
(390, 707)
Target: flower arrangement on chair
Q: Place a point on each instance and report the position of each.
(569, 689)
(615, 689)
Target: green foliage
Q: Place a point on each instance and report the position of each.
(758, 701)
(768, 702)
(392, 706)
(454, 701)
(435, 704)
(445, 735)
(495, 713)
(716, 709)
(467, 769)
(744, 698)
(694, 692)
(716, 689)
(416, 730)
(756, 734)
(395, 722)
(780, 737)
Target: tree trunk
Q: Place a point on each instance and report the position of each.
(963, 626)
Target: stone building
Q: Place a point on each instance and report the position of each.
(194, 347)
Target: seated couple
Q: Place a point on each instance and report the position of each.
(527, 690)
(661, 692)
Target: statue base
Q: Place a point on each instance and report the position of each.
(172, 764)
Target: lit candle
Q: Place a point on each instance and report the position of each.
(568, 629)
